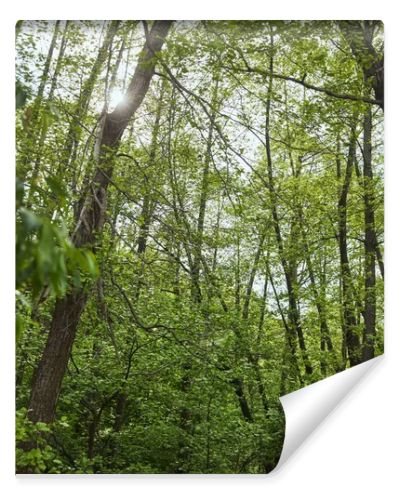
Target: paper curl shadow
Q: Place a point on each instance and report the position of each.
(306, 408)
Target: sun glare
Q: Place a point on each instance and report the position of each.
(116, 97)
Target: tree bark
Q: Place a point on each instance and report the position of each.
(47, 380)
(50, 371)
(351, 339)
(368, 348)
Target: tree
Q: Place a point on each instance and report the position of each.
(67, 311)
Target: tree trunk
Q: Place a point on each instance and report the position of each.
(196, 291)
(293, 315)
(378, 251)
(49, 374)
(326, 341)
(43, 79)
(43, 127)
(50, 371)
(369, 333)
(38, 102)
(253, 359)
(351, 339)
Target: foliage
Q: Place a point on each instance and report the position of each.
(218, 281)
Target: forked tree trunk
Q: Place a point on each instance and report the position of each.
(53, 363)
(294, 323)
(325, 335)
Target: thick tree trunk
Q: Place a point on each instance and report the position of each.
(49, 374)
(51, 368)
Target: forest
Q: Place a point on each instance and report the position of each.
(199, 231)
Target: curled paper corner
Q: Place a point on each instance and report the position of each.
(306, 408)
